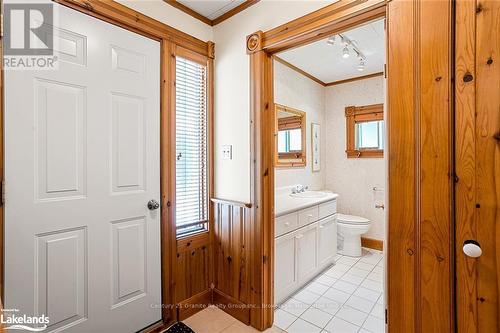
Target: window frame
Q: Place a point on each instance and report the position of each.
(179, 51)
(360, 114)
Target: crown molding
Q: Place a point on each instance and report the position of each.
(206, 20)
(325, 84)
(300, 71)
(357, 78)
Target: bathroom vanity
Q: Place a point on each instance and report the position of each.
(305, 239)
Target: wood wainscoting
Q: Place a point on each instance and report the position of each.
(192, 275)
(231, 258)
(214, 267)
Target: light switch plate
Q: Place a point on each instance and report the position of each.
(227, 152)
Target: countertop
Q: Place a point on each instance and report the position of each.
(285, 204)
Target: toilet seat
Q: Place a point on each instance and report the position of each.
(352, 219)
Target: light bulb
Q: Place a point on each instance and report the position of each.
(331, 40)
(361, 66)
(345, 52)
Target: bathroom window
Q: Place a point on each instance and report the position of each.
(370, 135)
(191, 120)
(365, 131)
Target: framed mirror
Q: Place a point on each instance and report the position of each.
(290, 137)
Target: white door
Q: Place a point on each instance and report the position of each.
(81, 163)
(307, 240)
(285, 277)
(327, 240)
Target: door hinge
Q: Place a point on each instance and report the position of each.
(1, 24)
(386, 320)
(212, 291)
(2, 193)
(385, 71)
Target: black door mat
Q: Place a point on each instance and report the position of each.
(179, 327)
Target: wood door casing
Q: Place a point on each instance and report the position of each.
(477, 155)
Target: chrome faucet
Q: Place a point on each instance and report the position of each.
(299, 188)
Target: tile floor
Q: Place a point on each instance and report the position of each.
(347, 297)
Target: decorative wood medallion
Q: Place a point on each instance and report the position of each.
(254, 42)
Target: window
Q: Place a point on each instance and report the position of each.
(365, 131)
(370, 135)
(191, 214)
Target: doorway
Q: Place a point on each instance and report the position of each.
(419, 252)
(330, 179)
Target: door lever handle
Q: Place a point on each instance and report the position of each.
(472, 248)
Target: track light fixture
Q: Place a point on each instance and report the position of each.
(346, 50)
(361, 66)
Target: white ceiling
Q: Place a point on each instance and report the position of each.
(325, 61)
(211, 8)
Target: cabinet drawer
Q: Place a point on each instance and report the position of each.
(285, 223)
(308, 215)
(327, 209)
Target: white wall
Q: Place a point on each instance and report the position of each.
(353, 179)
(163, 12)
(299, 92)
(232, 102)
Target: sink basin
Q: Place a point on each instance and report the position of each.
(309, 194)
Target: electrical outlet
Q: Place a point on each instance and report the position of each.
(227, 152)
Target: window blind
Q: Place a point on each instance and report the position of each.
(191, 146)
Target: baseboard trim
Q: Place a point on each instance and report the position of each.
(371, 243)
(155, 328)
(194, 304)
(232, 306)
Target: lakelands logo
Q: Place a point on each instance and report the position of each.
(29, 35)
(12, 320)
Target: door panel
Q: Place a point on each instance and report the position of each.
(61, 276)
(477, 155)
(128, 135)
(129, 267)
(81, 162)
(60, 144)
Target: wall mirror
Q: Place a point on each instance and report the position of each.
(290, 137)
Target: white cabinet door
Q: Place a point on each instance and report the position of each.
(327, 240)
(285, 277)
(82, 161)
(307, 240)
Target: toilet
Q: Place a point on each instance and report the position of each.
(349, 231)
